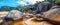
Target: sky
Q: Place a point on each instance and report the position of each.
(15, 3)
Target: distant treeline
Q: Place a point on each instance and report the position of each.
(20, 8)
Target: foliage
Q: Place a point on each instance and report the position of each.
(5, 8)
(25, 8)
(58, 1)
(21, 8)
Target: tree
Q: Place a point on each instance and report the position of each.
(21, 8)
(58, 1)
(25, 8)
(6, 8)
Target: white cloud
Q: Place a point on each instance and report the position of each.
(32, 1)
(24, 2)
(40, 0)
(21, 2)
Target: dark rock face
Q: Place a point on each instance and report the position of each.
(42, 6)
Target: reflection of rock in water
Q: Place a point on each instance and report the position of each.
(33, 22)
(30, 21)
(14, 14)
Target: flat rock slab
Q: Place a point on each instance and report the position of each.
(30, 22)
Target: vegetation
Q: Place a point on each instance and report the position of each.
(25, 8)
(58, 1)
(21, 8)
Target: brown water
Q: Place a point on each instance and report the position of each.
(30, 21)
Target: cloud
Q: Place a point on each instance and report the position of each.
(30, 1)
(21, 2)
(27, 2)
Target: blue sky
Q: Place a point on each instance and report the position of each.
(15, 3)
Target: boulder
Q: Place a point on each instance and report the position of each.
(53, 14)
(14, 14)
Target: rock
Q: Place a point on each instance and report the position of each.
(53, 14)
(14, 14)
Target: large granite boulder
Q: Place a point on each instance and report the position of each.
(53, 14)
(14, 14)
